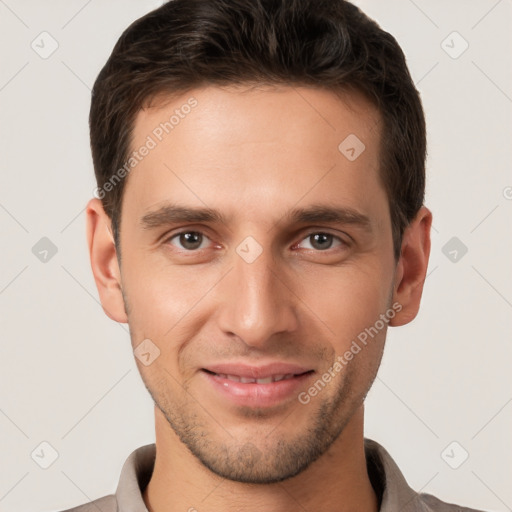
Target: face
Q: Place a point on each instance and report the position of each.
(253, 247)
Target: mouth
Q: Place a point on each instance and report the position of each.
(256, 387)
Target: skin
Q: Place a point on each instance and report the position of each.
(254, 154)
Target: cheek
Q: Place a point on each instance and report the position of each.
(346, 301)
(162, 296)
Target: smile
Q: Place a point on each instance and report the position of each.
(256, 391)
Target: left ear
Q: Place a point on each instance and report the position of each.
(412, 267)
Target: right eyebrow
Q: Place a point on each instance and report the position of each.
(171, 213)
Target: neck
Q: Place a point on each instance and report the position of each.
(337, 482)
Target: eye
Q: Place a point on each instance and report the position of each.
(322, 241)
(191, 241)
(188, 240)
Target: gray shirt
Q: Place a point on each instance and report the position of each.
(393, 492)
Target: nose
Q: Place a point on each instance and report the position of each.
(257, 301)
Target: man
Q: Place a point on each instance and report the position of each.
(259, 223)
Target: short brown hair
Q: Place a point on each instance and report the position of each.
(329, 44)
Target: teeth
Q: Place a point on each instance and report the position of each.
(266, 380)
(282, 377)
(250, 380)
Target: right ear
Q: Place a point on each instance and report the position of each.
(104, 264)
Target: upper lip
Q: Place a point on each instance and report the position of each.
(257, 372)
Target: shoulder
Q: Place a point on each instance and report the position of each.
(432, 504)
(105, 504)
(392, 488)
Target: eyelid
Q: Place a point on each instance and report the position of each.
(187, 229)
(326, 231)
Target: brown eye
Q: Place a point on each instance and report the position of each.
(188, 240)
(322, 241)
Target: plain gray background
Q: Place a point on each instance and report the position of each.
(68, 377)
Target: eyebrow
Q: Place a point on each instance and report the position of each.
(317, 213)
(171, 213)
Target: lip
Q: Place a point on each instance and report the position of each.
(253, 394)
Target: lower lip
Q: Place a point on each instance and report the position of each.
(253, 394)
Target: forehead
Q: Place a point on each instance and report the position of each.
(285, 113)
(255, 147)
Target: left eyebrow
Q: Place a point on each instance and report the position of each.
(329, 214)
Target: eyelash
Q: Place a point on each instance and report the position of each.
(343, 243)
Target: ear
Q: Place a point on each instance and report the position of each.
(104, 264)
(412, 267)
